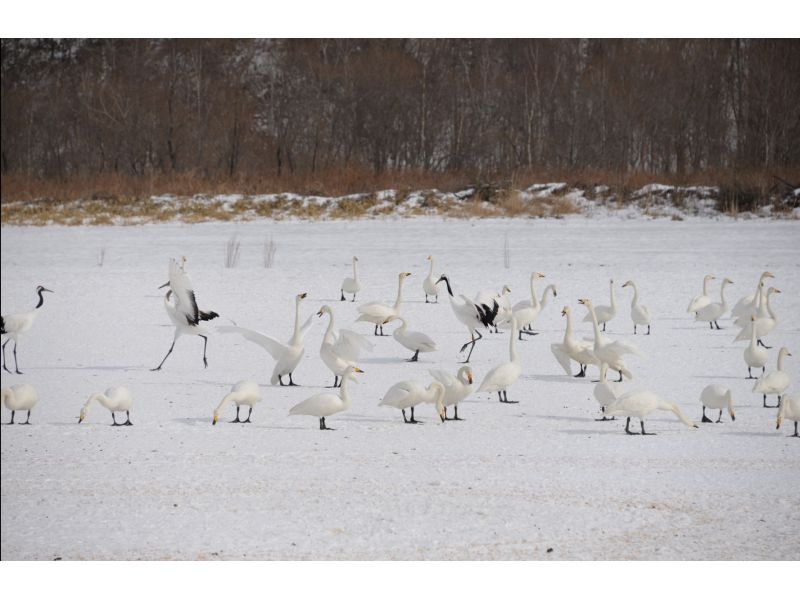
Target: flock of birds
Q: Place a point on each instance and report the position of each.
(490, 311)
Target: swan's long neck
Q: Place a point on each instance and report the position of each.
(437, 391)
(781, 355)
(603, 371)
(355, 270)
(752, 334)
(613, 299)
(512, 345)
(462, 376)
(399, 295)
(595, 327)
(430, 274)
(769, 309)
(534, 299)
(568, 331)
(296, 338)
(667, 406)
(343, 393)
(722, 293)
(403, 326)
(705, 286)
(635, 299)
(225, 400)
(328, 338)
(545, 296)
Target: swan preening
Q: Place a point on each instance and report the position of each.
(429, 284)
(572, 349)
(20, 397)
(755, 356)
(244, 392)
(12, 325)
(640, 314)
(604, 313)
(471, 315)
(774, 383)
(640, 404)
(716, 396)
(607, 351)
(713, 311)
(181, 306)
(504, 375)
(456, 388)
(116, 399)
(789, 409)
(352, 285)
(325, 404)
(413, 340)
(409, 393)
(763, 324)
(286, 355)
(340, 350)
(701, 301)
(379, 313)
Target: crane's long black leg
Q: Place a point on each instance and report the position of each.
(205, 344)
(249, 413)
(236, 421)
(719, 419)
(12, 418)
(128, 422)
(641, 421)
(165, 357)
(627, 431)
(5, 367)
(291, 382)
(705, 419)
(16, 365)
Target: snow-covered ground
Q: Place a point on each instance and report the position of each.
(509, 482)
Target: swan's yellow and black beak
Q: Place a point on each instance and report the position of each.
(319, 313)
(359, 370)
(441, 414)
(777, 290)
(406, 274)
(80, 418)
(733, 416)
(469, 377)
(779, 421)
(302, 295)
(214, 422)
(564, 312)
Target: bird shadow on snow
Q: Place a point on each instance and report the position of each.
(555, 378)
(562, 417)
(754, 434)
(590, 432)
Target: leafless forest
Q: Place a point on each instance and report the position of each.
(142, 116)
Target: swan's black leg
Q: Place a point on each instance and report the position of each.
(648, 330)
(795, 431)
(5, 367)
(405, 420)
(342, 299)
(634, 328)
(280, 381)
(749, 374)
(627, 431)
(582, 373)
(705, 419)
(205, 344)
(505, 398)
(236, 421)
(426, 298)
(412, 420)
(353, 300)
(165, 357)
(335, 381)
(128, 421)
(114, 419)
(12, 417)
(16, 365)
(641, 421)
(321, 423)
(415, 356)
(456, 418)
(711, 326)
(247, 421)
(376, 330)
(291, 382)
(28, 421)
(717, 325)
(620, 376)
(604, 326)
(719, 419)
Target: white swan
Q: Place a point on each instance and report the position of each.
(456, 388)
(790, 409)
(528, 311)
(379, 313)
(20, 397)
(715, 396)
(605, 313)
(470, 314)
(116, 399)
(755, 356)
(504, 375)
(640, 404)
(244, 392)
(351, 285)
(607, 351)
(747, 306)
(774, 383)
(340, 351)
(286, 355)
(413, 340)
(325, 404)
(640, 314)
(714, 311)
(409, 393)
(429, 284)
(573, 349)
(763, 325)
(12, 325)
(606, 393)
(701, 301)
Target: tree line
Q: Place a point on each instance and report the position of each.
(279, 108)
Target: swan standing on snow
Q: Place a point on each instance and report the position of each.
(20, 397)
(528, 311)
(409, 393)
(701, 301)
(413, 340)
(715, 396)
(606, 393)
(763, 325)
(640, 314)
(640, 404)
(504, 375)
(340, 351)
(607, 351)
(429, 284)
(790, 409)
(754, 356)
(286, 355)
(379, 313)
(472, 315)
(747, 306)
(181, 306)
(115, 399)
(456, 388)
(244, 392)
(774, 383)
(573, 349)
(604, 313)
(714, 311)
(325, 404)
(351, 285)
(12, 325)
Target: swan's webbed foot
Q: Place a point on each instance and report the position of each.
(415, 357)
(504, 398)
(582, 373)
(291, 382)
(627, 428)
(322, 425)
(604, 419)
(705, 419)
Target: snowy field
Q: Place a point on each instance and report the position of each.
(509, 482)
